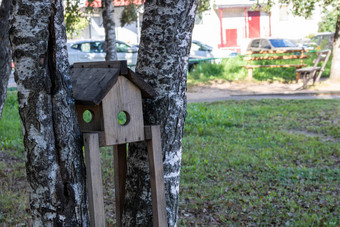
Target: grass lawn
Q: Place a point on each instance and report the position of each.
(253, 163)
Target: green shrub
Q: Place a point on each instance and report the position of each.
(225, 69)
(231, 69)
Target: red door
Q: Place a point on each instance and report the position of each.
(231, 37)
(254, 24)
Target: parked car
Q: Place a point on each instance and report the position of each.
(203, 52)
(94, 50)
(262, 44)
(201, 49)
(321, 41)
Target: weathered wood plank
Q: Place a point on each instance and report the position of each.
(124, 96)
(90, 85)
(275, 51)
(121, 65)
(120, 168)
(154, 148)
(284, 57)
(94, 180)
(308, 69)
(92, 81)
(274, 66)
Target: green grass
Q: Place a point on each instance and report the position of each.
(270, 162)
(231, 69)
(226, 69)
(253, 163)
(10, 126)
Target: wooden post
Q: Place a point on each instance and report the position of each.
(94, 180)
(250, 70)
(119, 152)
(250, 74)
(297, 77)
(156, 175)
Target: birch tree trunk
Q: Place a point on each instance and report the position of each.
(109, 26)
(335, 68)
(54, 162)
(162, 61)
(5, 51)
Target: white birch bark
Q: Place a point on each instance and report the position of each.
(162, 61)
(335, 68)
(110, 34)
(5, 51)
(54, 164)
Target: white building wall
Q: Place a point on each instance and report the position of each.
(264, 24)
(129, 33)
(286, 25)
(207, 29)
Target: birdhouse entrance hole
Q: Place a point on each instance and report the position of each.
(123, 118)
(88, 116)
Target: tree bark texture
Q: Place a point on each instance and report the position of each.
(335, 68)
(54, 162)
(162, 61)
(5, 51)
(110, 34)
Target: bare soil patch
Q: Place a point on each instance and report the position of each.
(217, 89)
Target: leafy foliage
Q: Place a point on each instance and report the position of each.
(75, 19)
(203, 5)
(328, 21)
(129, 14)
(299, 7)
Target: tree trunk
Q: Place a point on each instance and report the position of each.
(54, 162)
(5, 51)
(162, 61)
(109, 26)
(335, 68)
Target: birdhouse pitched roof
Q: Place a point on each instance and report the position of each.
(92, 81)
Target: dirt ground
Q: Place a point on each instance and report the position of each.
(218, 90)
(228, 89)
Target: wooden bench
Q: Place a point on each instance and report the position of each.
(279, 55)
(314, 72)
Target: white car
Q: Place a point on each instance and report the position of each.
(94, 50)
(263, 44)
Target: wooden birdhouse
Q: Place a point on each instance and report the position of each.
(104, 92)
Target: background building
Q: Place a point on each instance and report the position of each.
(228, 25)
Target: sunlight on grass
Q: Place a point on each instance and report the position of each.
(253, 163)
(230, 69)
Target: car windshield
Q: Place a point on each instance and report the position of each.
(202, 46)
(282, 43)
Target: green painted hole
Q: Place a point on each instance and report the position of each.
(87, 116)
(123, 118)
